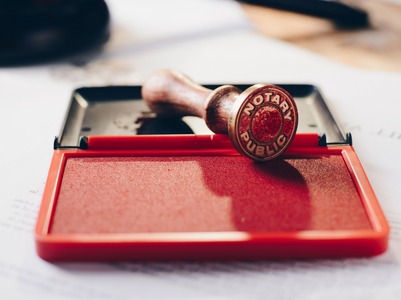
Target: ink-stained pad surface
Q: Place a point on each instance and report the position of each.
(206, 194)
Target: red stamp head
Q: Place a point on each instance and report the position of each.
(263, 122)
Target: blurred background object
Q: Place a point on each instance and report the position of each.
(342, 15)
(360, 33)
(377, 46)
(33, 31)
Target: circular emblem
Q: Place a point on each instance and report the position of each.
(263, 122)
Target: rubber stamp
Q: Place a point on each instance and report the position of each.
(260, 121)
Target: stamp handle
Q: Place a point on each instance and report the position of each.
(168, 92)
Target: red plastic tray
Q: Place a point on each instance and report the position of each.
(193, 197)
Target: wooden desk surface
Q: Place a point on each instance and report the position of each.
(378, 47)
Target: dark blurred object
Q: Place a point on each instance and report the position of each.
(32, 31)
(343, 15)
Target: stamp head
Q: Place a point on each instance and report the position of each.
(263, 122)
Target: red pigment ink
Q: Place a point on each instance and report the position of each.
(266, 124)
(195, 194)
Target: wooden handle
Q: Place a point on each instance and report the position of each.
(168, 92)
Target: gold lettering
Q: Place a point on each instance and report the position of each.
(249, 146)
(288, 116)
(260, 151)
(258, 100)
(284, 106)
(268, 96)
(276, 99)
(281, 140)
(268, 151)
(249, 107)
(245, 136)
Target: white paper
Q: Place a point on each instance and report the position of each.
(33, 102)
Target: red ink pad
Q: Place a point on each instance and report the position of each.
(206, 194)
(191, 196)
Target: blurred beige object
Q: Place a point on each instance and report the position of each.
(378, 47)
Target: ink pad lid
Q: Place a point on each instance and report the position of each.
(126, 184)
(120, 111)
